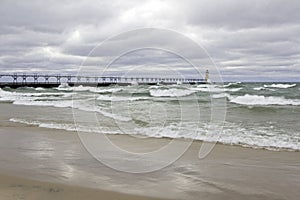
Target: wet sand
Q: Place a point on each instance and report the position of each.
(20, 188)
(37, 163)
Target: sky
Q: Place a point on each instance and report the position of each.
(247, 40)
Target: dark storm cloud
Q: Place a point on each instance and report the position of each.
(248, 40)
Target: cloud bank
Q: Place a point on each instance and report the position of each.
(255, 40)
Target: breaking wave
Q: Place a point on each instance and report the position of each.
(81, 88)
(173, 92)
(262, 100)
(280, 86)
(233, 85)
(232, 134)
(258, 96)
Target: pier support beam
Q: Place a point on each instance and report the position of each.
(35, 78)
(46, 78)
(24, 77)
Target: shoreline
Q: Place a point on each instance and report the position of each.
(59, 160)
(269, 148)
(14, 110)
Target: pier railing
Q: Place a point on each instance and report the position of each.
(36, 79)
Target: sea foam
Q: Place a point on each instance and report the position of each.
(262, 100)
(173, 92)
(281, 86)
(232, 133)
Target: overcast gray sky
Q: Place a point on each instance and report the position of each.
(249, 40)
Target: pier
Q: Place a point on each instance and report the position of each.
(15, 80)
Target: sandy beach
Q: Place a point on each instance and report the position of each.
(20, 188)
(42, 163)
(154, 99)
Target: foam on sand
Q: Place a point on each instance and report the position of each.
(232, 133)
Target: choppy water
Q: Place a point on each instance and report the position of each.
(264, 115)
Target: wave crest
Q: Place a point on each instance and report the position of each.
(262, 100)
(173, 92)
(280, 86)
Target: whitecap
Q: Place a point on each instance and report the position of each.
(220, 95)
(40, 89)
(119, 98)
(232, 84)
(216, 89)
(209, 88)
(262, 100)
(280, 85)
(173, 92)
